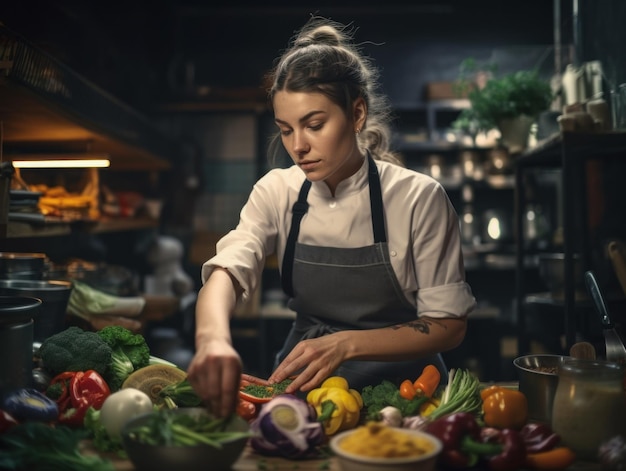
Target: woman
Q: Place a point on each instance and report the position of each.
(370, 251)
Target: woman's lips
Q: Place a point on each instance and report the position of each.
(308, 164)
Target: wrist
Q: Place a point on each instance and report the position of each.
(205, 338)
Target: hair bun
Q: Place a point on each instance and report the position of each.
(325, 34)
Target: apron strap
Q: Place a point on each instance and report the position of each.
(376, 202)
(300, 207)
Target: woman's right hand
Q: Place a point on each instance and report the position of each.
(215, 375)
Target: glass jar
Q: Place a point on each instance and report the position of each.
(589, 405)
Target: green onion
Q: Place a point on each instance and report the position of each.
(462, 394)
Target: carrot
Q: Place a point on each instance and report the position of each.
(407, 390)
(426, 384)
(555, 459)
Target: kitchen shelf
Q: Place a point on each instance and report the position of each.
(27, 230)
(49, 108)
(569, 152)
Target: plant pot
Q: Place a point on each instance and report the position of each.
(514, 132)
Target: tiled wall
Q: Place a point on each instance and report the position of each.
(228, 146)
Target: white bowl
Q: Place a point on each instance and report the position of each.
(354, 462)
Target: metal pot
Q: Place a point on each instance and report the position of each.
(22, 266)
(538, 380)
(16, 341)
(54, 296)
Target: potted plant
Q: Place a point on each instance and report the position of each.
(510, 103)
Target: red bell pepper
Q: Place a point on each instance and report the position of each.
(80, 390)
(539, 437)
(459, 433)
(512, 454)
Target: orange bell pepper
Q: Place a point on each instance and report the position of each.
(504, 407)
(407, 390)
(428, 382)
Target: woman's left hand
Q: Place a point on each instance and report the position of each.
(312, 360)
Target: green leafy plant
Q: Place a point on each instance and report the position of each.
(508, 96)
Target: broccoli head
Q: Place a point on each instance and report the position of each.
(129, 353)
(75, 349)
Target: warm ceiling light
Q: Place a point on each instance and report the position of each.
(62, 161)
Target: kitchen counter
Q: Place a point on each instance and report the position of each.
(251, 461)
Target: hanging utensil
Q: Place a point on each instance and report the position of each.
(615, 350)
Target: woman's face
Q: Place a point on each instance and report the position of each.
(318, 135)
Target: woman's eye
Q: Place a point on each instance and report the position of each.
(285, 132)
(316, 127)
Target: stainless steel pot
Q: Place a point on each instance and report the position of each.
(54, 294)
(22, 266)
(538, 380)
(16, 341)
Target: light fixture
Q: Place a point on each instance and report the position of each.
(61, 161)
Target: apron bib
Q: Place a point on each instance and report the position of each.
(334, 289)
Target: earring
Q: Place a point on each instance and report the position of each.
(358, 131)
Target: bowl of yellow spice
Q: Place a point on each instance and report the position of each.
(378, 447)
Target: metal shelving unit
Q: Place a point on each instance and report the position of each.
(568, 151)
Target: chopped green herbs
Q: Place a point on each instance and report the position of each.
(259, 390)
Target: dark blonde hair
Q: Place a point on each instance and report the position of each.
(322, 58)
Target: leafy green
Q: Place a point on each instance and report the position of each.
(511, 95)
(35, 445)
(130, 352)
(376, 398)
(166, 428)
(180, 394)
(101, 439)
(75, 349)
(85, 298)
(461, 394)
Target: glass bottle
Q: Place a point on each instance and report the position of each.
(589, 405)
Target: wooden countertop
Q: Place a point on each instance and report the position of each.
(251, 461)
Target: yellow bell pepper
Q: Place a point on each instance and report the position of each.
(429, 406)
(338, 407)
(504, 407)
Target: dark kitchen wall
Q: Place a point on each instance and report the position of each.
(148, 53)
(601, 35)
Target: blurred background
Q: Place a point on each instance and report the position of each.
(174, 93)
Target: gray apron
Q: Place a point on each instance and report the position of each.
(333, 289)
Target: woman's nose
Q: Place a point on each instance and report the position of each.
(300, 143)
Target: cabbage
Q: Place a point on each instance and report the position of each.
(286, 426)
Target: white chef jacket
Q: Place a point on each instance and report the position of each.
(422, 232)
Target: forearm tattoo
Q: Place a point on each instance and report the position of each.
(420, 325)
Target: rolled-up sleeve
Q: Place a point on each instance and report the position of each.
(451, 300)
